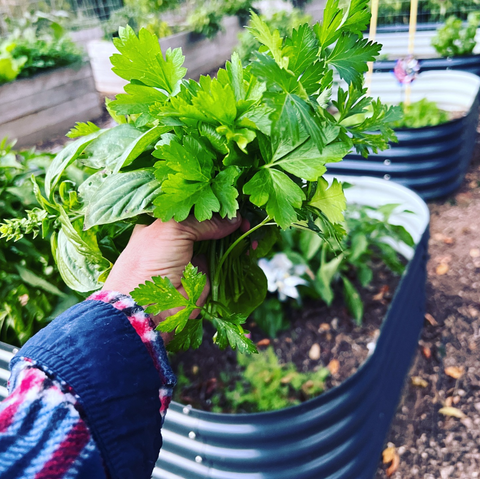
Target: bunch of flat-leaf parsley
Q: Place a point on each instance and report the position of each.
(253, 140)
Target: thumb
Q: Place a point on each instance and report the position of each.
(213, 229)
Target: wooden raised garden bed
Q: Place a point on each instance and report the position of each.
(202, 55)
(47, 105)
(430, 160)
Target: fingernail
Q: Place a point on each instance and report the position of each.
(234, 220)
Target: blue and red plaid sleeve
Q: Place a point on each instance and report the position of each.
(78, 406)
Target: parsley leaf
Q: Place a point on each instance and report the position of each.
(161, 295)
(278, 193)
(141, 59)
(82, 129)
(330, 201)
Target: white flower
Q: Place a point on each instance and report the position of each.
(283, 276)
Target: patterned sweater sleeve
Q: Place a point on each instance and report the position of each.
(88, 395)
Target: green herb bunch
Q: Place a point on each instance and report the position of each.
(456, 39)
(31, 290)
(255, 141)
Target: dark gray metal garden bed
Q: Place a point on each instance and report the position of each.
(395, 44)
(431, 160)
(338, 435)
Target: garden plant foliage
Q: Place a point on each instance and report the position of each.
(38, 44)
(456, 39)
(334, 267)
(31, 290)
(254, 141)
(420, 114)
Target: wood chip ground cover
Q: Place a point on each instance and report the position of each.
(436, 431)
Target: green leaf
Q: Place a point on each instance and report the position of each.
(325, 275)
(117, 118)
(193, 282)
(137, 99)
(77, 270)
(161, 292)
(270, 317)
(139, 145)
(64, 159)
(161, 295)
(141, 59)
(350, 56)
(310, 244)
(359, 245)
(106, 150)
(328, 31)
(190, 186)
(278, 193)
(36, 281)
(353, 300)
(306, 162)
(261, 31)
(82, 129)
(301, 49)
(225, 191)
(122, 196)
(190, 337)
(330, 200)
(364, 274)
(230, 331)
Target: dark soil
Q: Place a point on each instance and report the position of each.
(343, 345)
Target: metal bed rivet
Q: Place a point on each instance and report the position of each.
(387, 162)
(192, 435)
(198, 459)
(186, 409)
(386, 177)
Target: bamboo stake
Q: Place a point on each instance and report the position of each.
(412, 28)
(371, 36)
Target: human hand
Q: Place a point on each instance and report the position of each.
(164, 249)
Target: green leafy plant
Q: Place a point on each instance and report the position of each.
(368, 240)
(420, 114)
(10, 66)
(282, 21)
(241, 8)
(254, 141)
(455, 39)
(267, 385)
(37, 45)
(31, 290)
(206, 19)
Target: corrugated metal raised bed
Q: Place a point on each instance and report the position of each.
(395, 45)
(48, 104)
(202, 55)
(431, 160)
(338, 435)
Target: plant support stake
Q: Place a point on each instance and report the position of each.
(412, 28)
(371, 36)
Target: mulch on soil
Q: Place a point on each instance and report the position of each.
(432, 445)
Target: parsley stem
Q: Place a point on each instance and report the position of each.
(224, 257)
